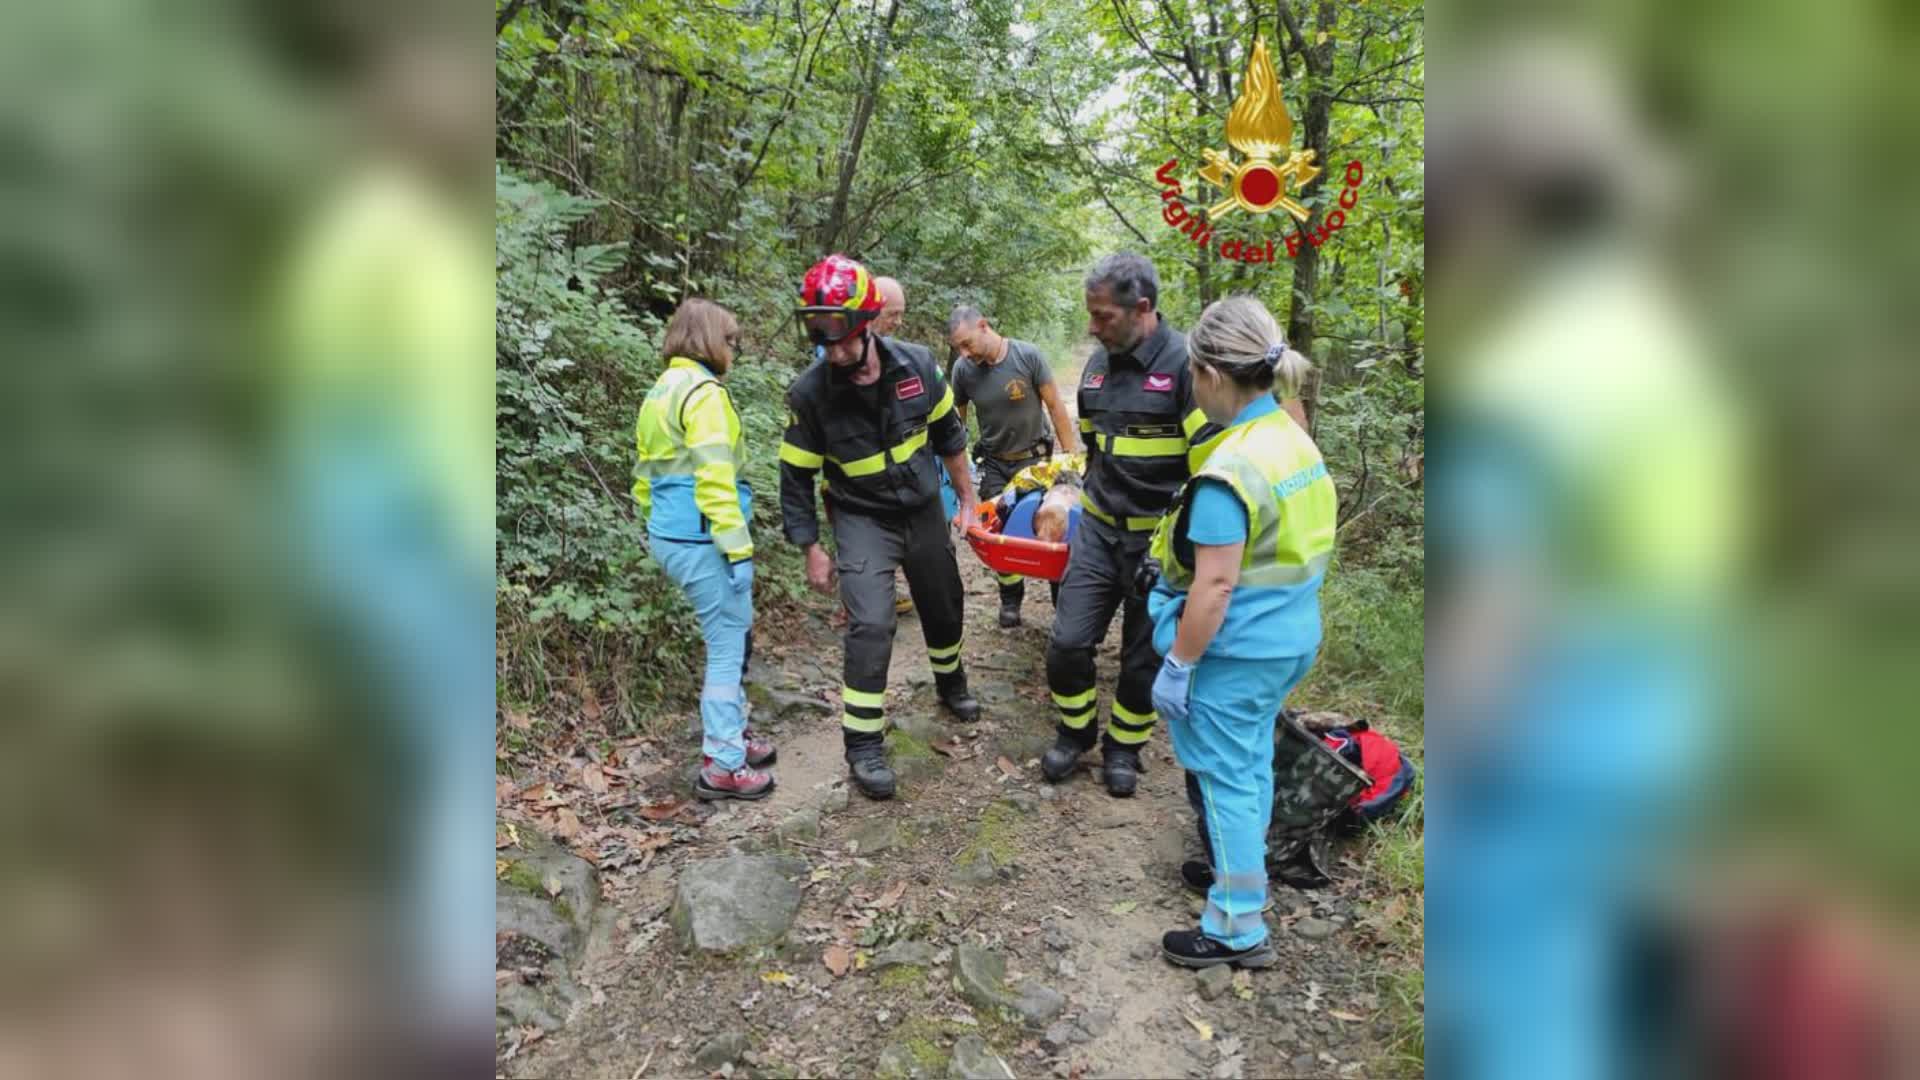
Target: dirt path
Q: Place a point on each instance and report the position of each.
(1071, 887)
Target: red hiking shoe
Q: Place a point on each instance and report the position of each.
(760, 752)
(745, 782)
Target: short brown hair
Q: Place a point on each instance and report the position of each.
(702, 330)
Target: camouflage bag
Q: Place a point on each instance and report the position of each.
(1312, 786)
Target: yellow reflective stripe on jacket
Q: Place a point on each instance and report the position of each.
(1128, 446)
(874, 463)
(943, 407)
(1133, 524)
(798, 458)
(1193, 421)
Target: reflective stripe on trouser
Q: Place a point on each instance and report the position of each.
(1099, 579)
(868, 549)
(725, 617)
(1226, 745)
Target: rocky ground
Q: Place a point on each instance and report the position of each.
(982, 923)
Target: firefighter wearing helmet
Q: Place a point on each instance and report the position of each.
(874, 418)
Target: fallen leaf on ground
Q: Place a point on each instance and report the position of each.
(518, 720)
(820, 873)
(1006, 766)
(1242, 989)
(1347, 1016)
(553, 886)
(860, 960)
(1205, 1029)
(500, 867)
(949, 747)
(1125, 907)
(590, 709)
(503, 789)
(776, 978)
(661, 811)
(539, 793)
(506, 836)
(566, 824)
(891, 896)
(593, 779)
(836, 959)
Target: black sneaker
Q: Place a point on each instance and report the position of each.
(1193, 949)
(1198, 877)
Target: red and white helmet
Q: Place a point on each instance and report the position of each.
(837, 298)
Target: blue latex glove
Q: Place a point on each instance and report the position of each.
(742, 575)
(1171, 688)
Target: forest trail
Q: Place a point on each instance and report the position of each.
(1069, 887)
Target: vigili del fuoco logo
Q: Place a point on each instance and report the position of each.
(1261, 130)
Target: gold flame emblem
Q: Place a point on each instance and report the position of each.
(1260, 128)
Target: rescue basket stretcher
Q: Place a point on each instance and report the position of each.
(1013, 554)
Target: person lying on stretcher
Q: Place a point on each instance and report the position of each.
(1051, 514)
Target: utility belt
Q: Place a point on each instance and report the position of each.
(1041, 449)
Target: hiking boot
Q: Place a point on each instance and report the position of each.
(745, 782)
(760, 752)
(1009, 614)
(1120, 768)
(1193, 949)
(1058, 762)
(1198, 877)
(872, 775)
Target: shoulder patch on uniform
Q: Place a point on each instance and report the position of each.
(1160, 384)
(1095, 380)
(909, 388)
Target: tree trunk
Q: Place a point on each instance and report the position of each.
(836, 222)
(1306, 266)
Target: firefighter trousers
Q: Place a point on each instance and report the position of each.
(994, 475)
(868, 549)
(1099, 579)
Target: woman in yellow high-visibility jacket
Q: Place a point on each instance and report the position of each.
(689, 483)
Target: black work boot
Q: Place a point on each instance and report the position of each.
(1060, 759)
(1011, 597)
(871, 773)
(956, 697)
(1120, 768)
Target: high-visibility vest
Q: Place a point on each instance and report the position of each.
(1281, 480)
(689, 457)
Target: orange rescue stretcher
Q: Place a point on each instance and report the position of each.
(1029, 556)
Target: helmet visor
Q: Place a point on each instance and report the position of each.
(825, 326)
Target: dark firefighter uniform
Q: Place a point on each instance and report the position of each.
(878, 449)
(1143, 436)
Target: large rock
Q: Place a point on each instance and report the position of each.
(907, 953)
(526, 903)
(738, 902)
(788, 707)
(720, 1050)
(1038, 1005)
(973, 1059)
(980, 974)
(875, 836)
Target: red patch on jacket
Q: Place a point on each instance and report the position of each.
(1160, 384)
(1094, 381)
(909, 388)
